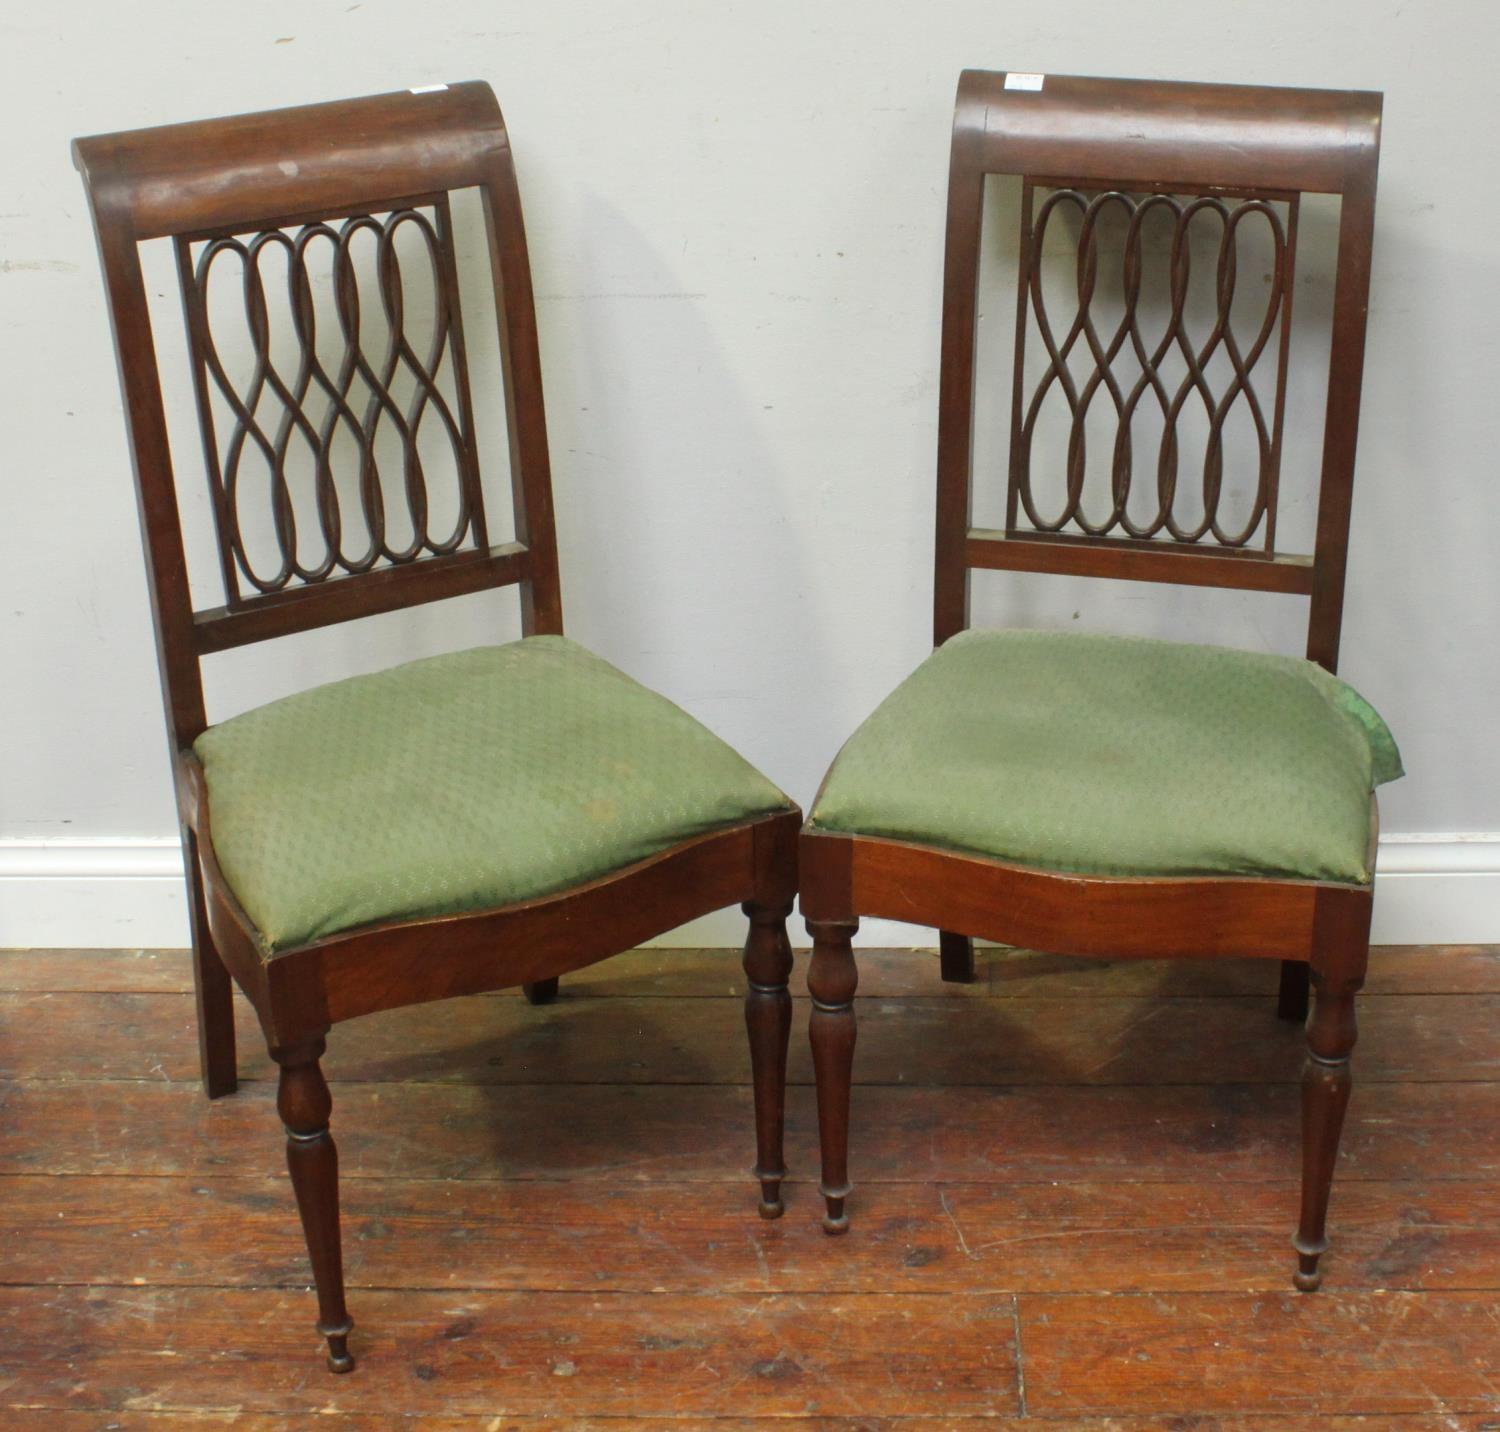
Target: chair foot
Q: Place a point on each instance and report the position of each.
(339, 1359)
(831, 980)
(835, 1219)
(768, 1025)
(540, 991)
(771, 1206)
(956, 957)
(1292, 998)
(1309, 1276)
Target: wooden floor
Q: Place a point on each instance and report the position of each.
(1075, 1186)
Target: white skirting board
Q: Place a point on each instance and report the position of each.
(124, 893)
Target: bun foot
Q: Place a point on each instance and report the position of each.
(339, 1359)
(1309, 1276)
(771, 1205)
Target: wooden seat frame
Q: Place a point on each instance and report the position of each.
(1109, 136)
(213, 180)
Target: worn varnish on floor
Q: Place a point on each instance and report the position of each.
(1076, 1182)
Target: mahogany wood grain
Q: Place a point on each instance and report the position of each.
(832, 977)
(312, 1160)
(1138, 146)
(768, 1022)
(1124, 560)
(281, 181)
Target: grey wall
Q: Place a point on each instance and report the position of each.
(735, 214)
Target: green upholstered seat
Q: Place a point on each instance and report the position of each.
(460, 782)
(1119, 756)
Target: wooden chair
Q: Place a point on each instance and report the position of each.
(978, 799)
(459, 824)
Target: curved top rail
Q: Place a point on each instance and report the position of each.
(1168, 132)
(253, 169)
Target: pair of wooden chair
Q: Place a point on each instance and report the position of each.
(502, 816)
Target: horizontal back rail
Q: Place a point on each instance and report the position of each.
(341, 599)
(1142, 561)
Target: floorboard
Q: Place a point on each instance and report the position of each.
(1030, 1040)
(1075, 1188)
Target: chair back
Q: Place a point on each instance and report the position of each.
(1179, 164)
(336, 420)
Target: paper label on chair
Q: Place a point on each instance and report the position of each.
(1024, 82)
(427, 89)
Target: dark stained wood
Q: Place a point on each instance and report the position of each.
(956, 958)
(1338, 972)
(768, 1022)
(1189, 918)
(297, 182)
(605, 1354)
(541, 991)
(341, 599)
(1293, 992)
(213, 989)
(312, 1160)
(1234, 153)
(1124, 561)
(832, 977)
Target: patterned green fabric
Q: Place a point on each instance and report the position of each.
(1119, 756)
(460, 782)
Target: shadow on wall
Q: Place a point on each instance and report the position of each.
(676, 517)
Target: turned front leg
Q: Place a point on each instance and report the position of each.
(768, 1022)
(304, 1103)
(831, 980)
(1331, 1033)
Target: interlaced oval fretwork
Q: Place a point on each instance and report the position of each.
(1083, 337)
(352, 395)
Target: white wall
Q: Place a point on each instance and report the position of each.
(735, 216)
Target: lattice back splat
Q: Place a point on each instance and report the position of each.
(364, 388)
(1125, 364)
(1159, 372)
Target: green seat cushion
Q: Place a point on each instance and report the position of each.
(1119, 756)
(456, 783)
